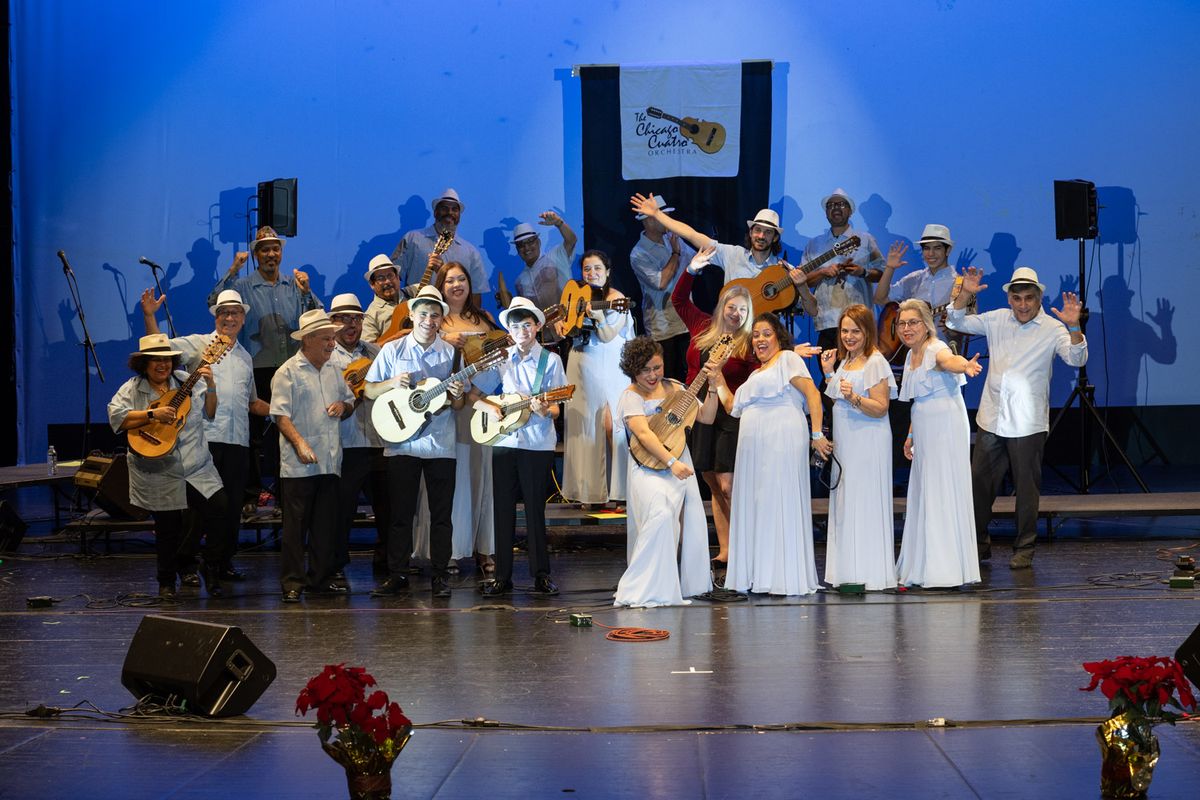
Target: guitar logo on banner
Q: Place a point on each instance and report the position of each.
(682, 120)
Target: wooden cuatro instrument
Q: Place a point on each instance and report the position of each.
(773, 290)
(402, 413)
(157, 439)
(708, 136)
(396, 327)
(677, 413)
(514, 413)
(575, 299)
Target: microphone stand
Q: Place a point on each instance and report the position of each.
(89, 354)
(154, 270)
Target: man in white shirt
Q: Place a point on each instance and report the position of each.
(1014, 412)
(658, 260)
(415, 251)
(545, 273)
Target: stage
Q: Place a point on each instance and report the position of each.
(829, 695)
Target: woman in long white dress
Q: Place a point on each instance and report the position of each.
(471, 514)
(938, 548)
(861, 546)
(770, 529)
(591, 430)
(666, 519)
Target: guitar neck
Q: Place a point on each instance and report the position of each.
(185, 388)
(462, 374)
(521, 405)
(439, 248)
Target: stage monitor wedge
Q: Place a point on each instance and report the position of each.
(277, 205)
(212, 670)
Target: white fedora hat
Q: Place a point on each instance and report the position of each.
(314, 321)
(448, 195)
(522, 304)
(768, 218)
(936, 234)
(347, 303)
(838, 192)
(229, 297)
(662, 206)
(379, 262)
(522, 232)
(428, 294)
(1024, 276)
(155, 344)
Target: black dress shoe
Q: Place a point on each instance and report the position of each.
(391, 586)
(440, 587)
(329, 588)
(214, 587)
(291, 596)
(232, 574)
(166, 593)
(495, 588)
(544, 585)
(189, 579)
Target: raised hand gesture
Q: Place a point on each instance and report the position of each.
(1072, 307)
(642, 204)
(301, 279)
(701, 259)
(549, 218)
(895, 256)
(150, 306)
(971, 280)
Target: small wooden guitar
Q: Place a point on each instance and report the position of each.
(890, 345)
(773, 290)
(402, 413)
(157, 439)
(708, 136)
(400, 315)
(677, 414)
(514, 413)
(477, 346)
(575, 299)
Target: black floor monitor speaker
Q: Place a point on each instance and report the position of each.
(1076, 214)
(1188, 655)
(213, 670)
(106, 478)
(12, 528)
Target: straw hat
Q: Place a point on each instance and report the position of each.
(314, 321)
(522, 304)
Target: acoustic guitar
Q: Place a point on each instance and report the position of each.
(708, 136)
(514, 413)
(575, 299)
(479, 345)
(773, 290)
(677, 414)
(890, 345)
(157, 439)
(400, 315)
(402, 413)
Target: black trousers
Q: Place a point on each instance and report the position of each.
(310, 508)
(264, 441)
(232, 462)
(675, 356)
(359, 474)
(404, 485)
(524, 471)
(993, 457)
(171, 534)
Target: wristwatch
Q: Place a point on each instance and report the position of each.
(816, 435)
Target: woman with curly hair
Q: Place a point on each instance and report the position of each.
(666, 523)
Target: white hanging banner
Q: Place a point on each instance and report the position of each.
(681, 120)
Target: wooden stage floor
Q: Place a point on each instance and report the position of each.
(823, 696)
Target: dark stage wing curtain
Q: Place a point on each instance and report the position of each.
(716, 206)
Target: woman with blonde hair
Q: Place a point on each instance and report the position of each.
(938, 548)
(860, 548)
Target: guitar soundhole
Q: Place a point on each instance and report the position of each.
(417, 402)
(673, 418)
(770, 291)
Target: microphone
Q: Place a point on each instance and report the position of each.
(63, 258)
(148, 263)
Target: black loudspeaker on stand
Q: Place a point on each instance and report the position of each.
(1076, 216)
(211, 670)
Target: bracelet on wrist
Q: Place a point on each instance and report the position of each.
(1073, 328)
(909, 435)
(671, 461)
(828, 376)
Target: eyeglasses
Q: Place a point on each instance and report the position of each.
(837, 204)
(910, 323)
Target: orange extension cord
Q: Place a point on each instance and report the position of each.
(633, 634)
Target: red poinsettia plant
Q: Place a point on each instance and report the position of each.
(360, 723)
(1143, 686)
